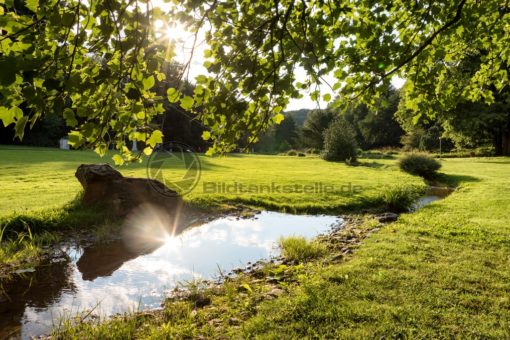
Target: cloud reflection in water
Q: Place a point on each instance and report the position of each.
(125, 276)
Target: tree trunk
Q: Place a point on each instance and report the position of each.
(501, 143)
(505, 145)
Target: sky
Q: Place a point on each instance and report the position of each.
(183, 41)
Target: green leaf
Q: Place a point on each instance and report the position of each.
(70, 118)
(67, 20)
(148, 151)
(172, 95)
(161, 76)
(81, 112)
(75, 139)
(19, 128)
(8, 74)
(101, 149)
(206, 135)
(416, 118)
(187, 102)
(118, 159)
(278, 118)
(9, 116)
(32, 5)
(155, 138)
(201, 79)
(326, 97)
(148, 83)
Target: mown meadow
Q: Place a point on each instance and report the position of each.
(442, 270)
(39, 178)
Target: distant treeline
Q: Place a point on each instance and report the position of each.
(390, 124)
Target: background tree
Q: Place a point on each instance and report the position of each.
(298, 115)
(314, 126)
(376, 127)
(47, 131)
(279, 138)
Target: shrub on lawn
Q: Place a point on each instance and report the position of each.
(301, 154)
(419, 164)
(292, 153)
(400, 198)
(300, 249)
(340, 142)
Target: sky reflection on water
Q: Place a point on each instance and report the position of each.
(114, 278)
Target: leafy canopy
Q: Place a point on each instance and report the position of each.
(96, 62)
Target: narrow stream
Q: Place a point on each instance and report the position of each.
(117, 277)
(432, 194)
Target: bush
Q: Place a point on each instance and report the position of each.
(340, 142)
(301, 154)
(313, 151)
(419, 164)
(400, 198)
(292, 153)
(299, 249)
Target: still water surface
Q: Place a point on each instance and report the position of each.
(114, 278)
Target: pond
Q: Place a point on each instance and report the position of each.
(137, 271)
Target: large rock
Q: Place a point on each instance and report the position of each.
(105, 186)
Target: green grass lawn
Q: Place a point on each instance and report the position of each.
(40, 178)
(441, 272)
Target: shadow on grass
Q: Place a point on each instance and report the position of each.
(71, 216)
(356, 206)
(377, 155)
(372, 164)
(454, 180)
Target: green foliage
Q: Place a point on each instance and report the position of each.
(102, 59)
(300, 249)
(340, 142)
(487, 151)
(255, 48)
(292, 153)
(461, 122)
(419, 164)
(400, 198)
(92, 63)
(299, 116)
(376, 127)
(279, 138)
(314, 126)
